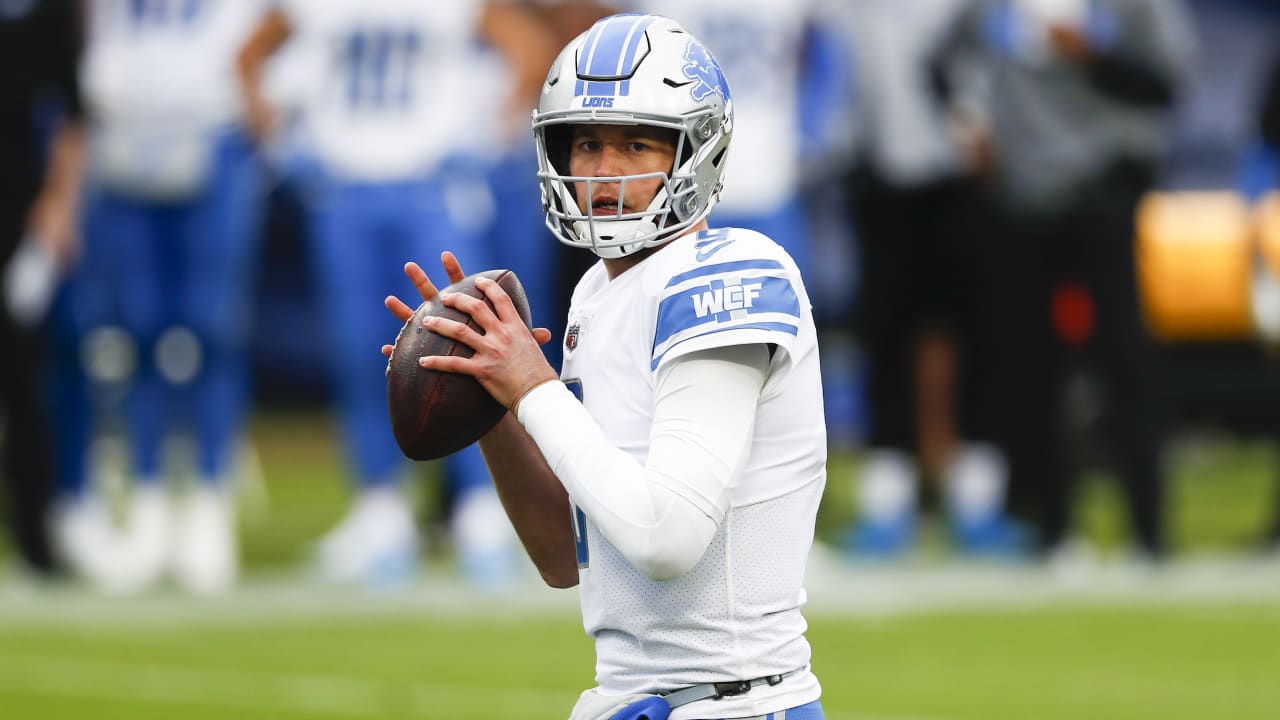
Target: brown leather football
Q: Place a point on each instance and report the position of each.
(435, 413)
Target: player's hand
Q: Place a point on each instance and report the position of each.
(1070, 42)
(427, 289)
(507, 359)
(260, 118)
(52, 221)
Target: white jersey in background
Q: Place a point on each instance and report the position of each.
(160, 86)
(908, 134)
(165, 59)
(388, 100)
(712, 289)
(758, 44)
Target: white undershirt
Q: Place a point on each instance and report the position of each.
(661, 515)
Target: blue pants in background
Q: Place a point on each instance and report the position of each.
(362, 235)
(150, 267)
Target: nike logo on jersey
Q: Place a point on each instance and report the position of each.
(710, 246)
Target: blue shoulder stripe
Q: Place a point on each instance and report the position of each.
(763, 302)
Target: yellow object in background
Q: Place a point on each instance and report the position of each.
(1195, 255)
(1267, 221)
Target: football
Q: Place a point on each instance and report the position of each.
(435, 413)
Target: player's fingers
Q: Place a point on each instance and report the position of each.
(454, 330)
(478, 309)
(444, 363)
(398, 308)
(452, 267)
(386, 350)
(506, 310)
(542, 335)
(420, 280)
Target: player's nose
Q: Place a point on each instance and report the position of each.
(610, 162)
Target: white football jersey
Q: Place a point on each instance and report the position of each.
(736, 615)
(389, 97)
(166, 61)
(758, 44)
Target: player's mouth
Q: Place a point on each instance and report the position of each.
(605, 205)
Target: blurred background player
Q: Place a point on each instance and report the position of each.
(395, 84)
(788, 74)
(1260, 178)
(1260, 172)
(504, 147)
(919, 315)
(164, 289)
(1075, 95)
(41, 143)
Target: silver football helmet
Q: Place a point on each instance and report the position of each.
(634, 69)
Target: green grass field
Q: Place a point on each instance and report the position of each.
(933, 640)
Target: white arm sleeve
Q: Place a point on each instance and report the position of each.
(661, 515)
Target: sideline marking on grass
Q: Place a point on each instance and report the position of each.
(835, 589)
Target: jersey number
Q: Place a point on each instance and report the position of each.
(580, 538)
(163, 13)
(379, 67)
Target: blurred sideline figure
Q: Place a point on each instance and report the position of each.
(395, 86)
(1260, 176)
(921, 313)
(516, 235)
(786, 66)
(1075, 95)
(1261, 170)
(41, 140)
(160, 310)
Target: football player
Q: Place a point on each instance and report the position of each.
(170, 236)
(681, 489)
(40, 46)
(923, 303)
(393, 91)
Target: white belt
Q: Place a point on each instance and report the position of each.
(715, 691)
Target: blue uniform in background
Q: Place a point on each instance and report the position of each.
(171, 216)
(171, 220)
(383, 129)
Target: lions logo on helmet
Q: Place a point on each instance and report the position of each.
(703, 69)
(634, 69)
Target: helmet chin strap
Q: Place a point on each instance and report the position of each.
(632, 228)
(645, 228)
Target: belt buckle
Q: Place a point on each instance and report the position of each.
(730, 689)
